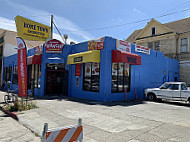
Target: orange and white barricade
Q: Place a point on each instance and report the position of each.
(65, 134)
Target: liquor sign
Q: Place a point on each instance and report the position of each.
(39, 49)
(54, 46)
(78, 70)
(123, 46)
(96, 44)
(142, 49)
(22, 68)
(31, 30)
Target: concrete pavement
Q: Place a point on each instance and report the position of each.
(123, 122)
(115, 122)
(12, 131)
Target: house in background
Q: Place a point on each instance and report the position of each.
(173, 39)
(8, 46)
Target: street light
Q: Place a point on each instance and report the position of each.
(65, 37)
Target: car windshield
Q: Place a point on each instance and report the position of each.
(165, 86)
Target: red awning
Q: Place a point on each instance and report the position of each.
(35, 59)
(125, 57)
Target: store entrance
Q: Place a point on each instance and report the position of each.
(56, 80)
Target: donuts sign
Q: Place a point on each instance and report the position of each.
(54, 46)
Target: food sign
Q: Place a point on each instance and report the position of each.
(142, 49)
(95, 69)
(54, 46)
(88, 69)
(123, 46)
(97, 44)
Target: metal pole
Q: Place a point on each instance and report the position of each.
(51, 26)
(44, 132)
(79, 124)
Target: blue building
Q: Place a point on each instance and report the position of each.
(95, 70)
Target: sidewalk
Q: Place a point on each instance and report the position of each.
(12, 131)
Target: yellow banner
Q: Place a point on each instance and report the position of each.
(31, 30)
(84, 57)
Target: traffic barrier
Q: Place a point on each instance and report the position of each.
(65, 134)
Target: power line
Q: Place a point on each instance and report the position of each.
(115, 26)
(58, 31)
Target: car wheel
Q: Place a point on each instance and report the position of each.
(151, 97)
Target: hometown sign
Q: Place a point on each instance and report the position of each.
(31, 30)
(54, 46)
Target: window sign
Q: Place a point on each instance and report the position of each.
(120, 77)
(91, 77)
(77, 81)
(78, 70)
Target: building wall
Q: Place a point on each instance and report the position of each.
(155, 70)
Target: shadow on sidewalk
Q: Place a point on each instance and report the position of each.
(90, 102)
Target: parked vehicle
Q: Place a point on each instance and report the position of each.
(177, 91)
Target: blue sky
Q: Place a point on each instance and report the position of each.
(84, 20)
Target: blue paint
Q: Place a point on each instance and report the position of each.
(155, 70)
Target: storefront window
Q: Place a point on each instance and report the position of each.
(7, 74)
(120, 77)
(15, 75)
(91, 77)
(34, 74)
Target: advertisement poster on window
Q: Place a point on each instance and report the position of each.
(95, 69)
(123, 46)
(96, 44)
(114, 68)
(120, 69)
(142, 49)
(22, 68)
(88, 69)
(126, 69)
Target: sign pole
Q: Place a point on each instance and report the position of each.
(51, 27)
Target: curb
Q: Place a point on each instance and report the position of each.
(11, 114)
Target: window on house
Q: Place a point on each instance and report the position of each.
(91, 77)
(157, 45)
(184, 45)
(153, 31)
(120, 77)
(150, 45)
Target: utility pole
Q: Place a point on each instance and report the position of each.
(51, 26)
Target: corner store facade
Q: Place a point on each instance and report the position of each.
(103, 74)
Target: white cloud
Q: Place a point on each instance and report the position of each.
(7, 24)
(62, 23)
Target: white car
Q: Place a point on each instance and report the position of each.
(176, 91)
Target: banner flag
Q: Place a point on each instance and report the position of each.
(22, 68)
(31, 30)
